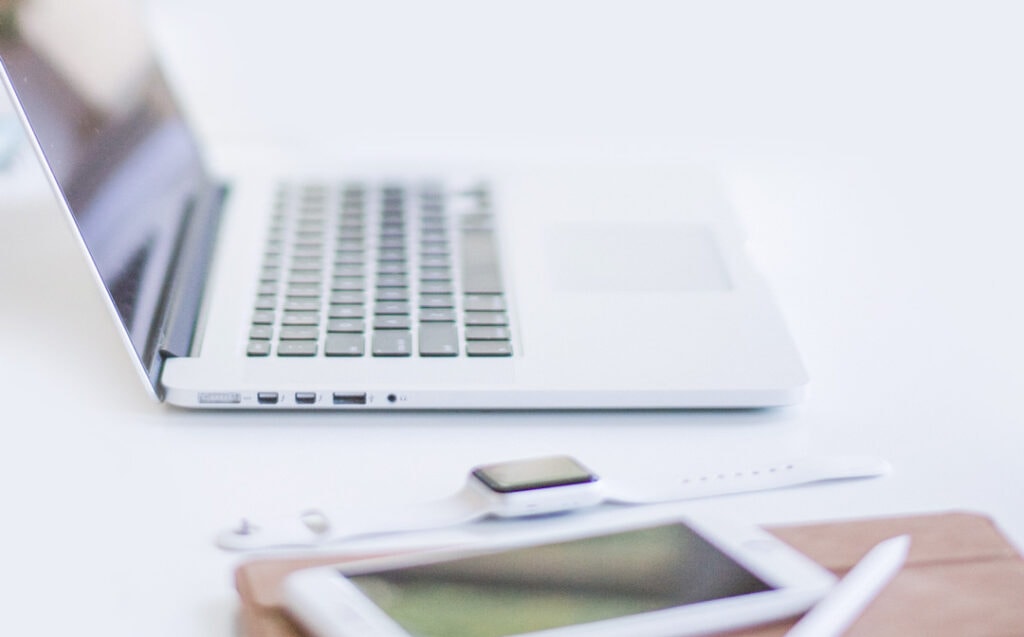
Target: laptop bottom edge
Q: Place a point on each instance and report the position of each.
(481, 399)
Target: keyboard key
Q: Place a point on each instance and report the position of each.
(348, 284)
(296, 348)
(385, 256)
(392, 281)
(346, 312)
(436, 287)
(486, 318)
(300, 318)
(263, 318)
(302, 304)
(303, 289)
(435, 249)
(433, 275)
(487, 334)
(392, 307)
(484, 303)
(393, 294)
(488, 348)
(270, 275)
(393, 268)
(353, 240)
(347, 298)
(345, 345)
(392, 323)
(353, 326)
(433, 236)
(351, 220)
(349, 258)
(305, 268)
(266, 302)
(347, 245)
(392, 343)
(258, 348)
(392, 243)
(299, 333)
(439, 339)
(437, 316)
(308, 251)
(261, 333)
(305, 277)
(434, 261)
(437, 301)
(349, 270)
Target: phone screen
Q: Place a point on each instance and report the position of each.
(557, 585)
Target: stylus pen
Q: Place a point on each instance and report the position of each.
(834, 614)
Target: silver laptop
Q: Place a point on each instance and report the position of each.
(518, 289)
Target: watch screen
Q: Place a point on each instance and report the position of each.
(556, 585)
(538, 473)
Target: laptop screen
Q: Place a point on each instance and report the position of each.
(119, 150)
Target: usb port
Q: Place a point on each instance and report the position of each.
(267, 397)
(349, 399)
(305, 397)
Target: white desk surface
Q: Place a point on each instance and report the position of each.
(874, 153)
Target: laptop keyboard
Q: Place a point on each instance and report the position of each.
(388, 271)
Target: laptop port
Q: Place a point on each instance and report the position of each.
(349, 399)
(220, 398)
(267, 397)
(305, 398)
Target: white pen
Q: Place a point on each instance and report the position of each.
(834, 614)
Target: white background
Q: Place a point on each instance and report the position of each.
(873, 151)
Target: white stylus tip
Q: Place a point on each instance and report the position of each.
(841, 607)
(841, 467)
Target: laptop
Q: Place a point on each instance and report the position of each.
(564, 287)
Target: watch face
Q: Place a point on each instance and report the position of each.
(535, 473)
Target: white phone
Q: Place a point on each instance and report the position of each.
(634, 575)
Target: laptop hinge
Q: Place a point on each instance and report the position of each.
(183, 290)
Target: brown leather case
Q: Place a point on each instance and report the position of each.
(962, 577)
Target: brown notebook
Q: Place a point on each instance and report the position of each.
(962, 577)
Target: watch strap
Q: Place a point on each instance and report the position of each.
(316, 527)
(765, 477)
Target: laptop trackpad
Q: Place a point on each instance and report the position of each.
(636, 259)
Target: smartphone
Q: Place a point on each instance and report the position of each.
(634, 576)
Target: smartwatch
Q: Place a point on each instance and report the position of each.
(535, 487)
